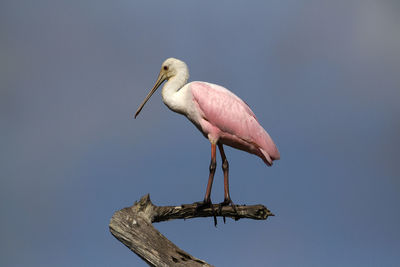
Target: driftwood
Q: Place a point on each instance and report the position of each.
(133, 227)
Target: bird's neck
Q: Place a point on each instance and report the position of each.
(170, 90)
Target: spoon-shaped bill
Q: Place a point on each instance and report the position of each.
(159, 81)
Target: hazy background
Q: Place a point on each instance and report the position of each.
(323, 77)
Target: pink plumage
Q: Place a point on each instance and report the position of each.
(224, 117)
(219, 114)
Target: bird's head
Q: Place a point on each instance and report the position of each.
(170, 68)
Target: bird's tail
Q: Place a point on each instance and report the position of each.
(269, 150)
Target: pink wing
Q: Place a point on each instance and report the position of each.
(232, 120)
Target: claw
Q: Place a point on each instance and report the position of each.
(226, 202)
(207, 204)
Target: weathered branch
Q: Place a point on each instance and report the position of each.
(133, 227)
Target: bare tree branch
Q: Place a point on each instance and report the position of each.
(133, 227)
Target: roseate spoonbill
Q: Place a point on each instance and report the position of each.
(219, 114)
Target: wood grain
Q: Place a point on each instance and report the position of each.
(133, 227)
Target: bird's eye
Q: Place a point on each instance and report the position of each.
(165, 67)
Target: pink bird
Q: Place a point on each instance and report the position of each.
(219, 114)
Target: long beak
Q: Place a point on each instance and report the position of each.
(161, 78)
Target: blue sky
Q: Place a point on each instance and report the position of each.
(321, 76)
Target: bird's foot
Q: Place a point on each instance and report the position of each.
(227, 202)
(203, 204)
(207, 204)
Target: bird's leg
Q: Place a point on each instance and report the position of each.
(207, 199)
(225, 168)
(213, 166)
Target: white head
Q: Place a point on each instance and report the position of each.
(170, 68)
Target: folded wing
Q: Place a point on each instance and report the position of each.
(236, 121)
